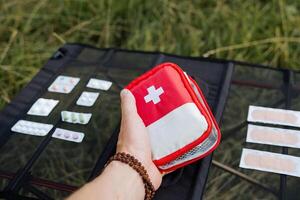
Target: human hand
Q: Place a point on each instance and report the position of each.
(134, 138)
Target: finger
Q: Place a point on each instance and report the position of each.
(128, 105)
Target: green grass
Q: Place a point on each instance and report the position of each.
(266, 32)
(255, 31)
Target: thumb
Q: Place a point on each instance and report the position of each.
(128, 106)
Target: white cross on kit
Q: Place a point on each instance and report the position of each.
(153, 94)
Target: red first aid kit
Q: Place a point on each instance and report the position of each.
(180, 124)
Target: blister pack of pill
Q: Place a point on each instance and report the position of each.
(99, 84)
(68, 135)
(42, 107)
(87, 99)
(75, 117)
(63, 84)
(32, 128)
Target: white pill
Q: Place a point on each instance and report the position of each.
(75, 136)
(66, 135)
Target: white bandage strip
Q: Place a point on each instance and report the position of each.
(270, 162)
(273, 136)
(274, 116)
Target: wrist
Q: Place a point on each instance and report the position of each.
(136, 165)
(123, 179)
(128, 172)
(153, 172)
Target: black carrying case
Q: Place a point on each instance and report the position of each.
(120, 67)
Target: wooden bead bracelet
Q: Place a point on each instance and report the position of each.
(139, 168)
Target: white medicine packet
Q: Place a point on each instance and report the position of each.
(68, 135)
(63, 84)
(99, 84)
(75, 117)
(87, 98)
(32, 128)
(42, 107)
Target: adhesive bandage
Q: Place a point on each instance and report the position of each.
(274, 116)
(273, 136)
(270, 162)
